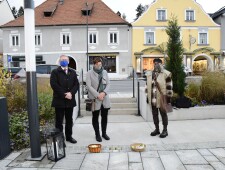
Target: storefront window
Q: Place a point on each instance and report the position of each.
(109, 63)
(199, 66)
(148, 63)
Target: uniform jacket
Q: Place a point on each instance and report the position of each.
(92, 85)
(165, 82)
(62, 83)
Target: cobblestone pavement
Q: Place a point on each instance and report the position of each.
(195, 156)
(191, 145)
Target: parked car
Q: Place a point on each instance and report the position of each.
(42, 71)
(12, 70)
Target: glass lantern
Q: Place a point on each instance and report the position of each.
(55, 145)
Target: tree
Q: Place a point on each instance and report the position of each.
(140, 9)
(174, 62)
(14, 12)
(20, 12)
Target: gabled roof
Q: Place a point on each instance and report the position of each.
(70, 13)
(218, 13)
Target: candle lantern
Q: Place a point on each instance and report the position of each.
(55, 145)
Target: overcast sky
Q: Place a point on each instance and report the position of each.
(129, 6)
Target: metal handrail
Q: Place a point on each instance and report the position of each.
(82, 91)
(135, 77)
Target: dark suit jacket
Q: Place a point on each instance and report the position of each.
(62, 83)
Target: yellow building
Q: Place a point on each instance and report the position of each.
(200, 35)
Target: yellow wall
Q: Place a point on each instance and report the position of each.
(177, 8)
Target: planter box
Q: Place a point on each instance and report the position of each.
(192, 113)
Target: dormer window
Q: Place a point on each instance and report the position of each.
(87, 9)
(50, 11)
(161, 15)
(190, 15)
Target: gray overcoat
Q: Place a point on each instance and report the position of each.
(92, 85)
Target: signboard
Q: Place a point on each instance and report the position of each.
(9, 58)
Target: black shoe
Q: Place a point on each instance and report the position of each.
(155, 132)
(163, 134)
(98, 138)
(71, 140)
(105, 136)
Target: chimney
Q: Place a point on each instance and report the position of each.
(61, 1)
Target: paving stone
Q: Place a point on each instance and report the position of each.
(71, 161)
(191, 157)
(13, 155)
(211, 158)
(205, 152)
(4, 163)
(218, 165)
(170, 160)
(199, 167)
(155, 147)
(95, 161)
(134, 157)
(218, 152)
(222, 160)
(26, 169)
(118, 161)
(150, 154)
(135, 166)
(152, 164)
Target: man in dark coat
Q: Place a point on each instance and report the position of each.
(65, 84)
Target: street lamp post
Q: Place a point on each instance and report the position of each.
(32, 102)
(87, 34)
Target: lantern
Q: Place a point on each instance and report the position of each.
(55, 145)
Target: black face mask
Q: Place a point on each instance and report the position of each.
(157, 68)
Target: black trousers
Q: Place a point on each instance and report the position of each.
(104, 121)
(155, 114)
(59, 115)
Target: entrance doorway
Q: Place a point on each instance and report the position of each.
(72, 63)
(201, 64)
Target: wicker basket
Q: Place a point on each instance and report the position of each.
(138, 147)
(94, 148)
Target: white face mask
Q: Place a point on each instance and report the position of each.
(98, 67)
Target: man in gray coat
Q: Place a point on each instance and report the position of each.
(97, 81)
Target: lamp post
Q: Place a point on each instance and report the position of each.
(32, 102)
(87, 35)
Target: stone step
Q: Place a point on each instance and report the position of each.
(115, 105)
(114, 111)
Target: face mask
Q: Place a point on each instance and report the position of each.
(98, 67)
(157, 68)
(64, 63)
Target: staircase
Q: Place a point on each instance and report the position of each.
(119, 106)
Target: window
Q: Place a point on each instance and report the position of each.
(92, 38)
(149, 37)
(190, 15)
(38, 39)
(113, 38)
(108, 62)
(161, 14)
(15, 40)
(65, 38)
(203, 38)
